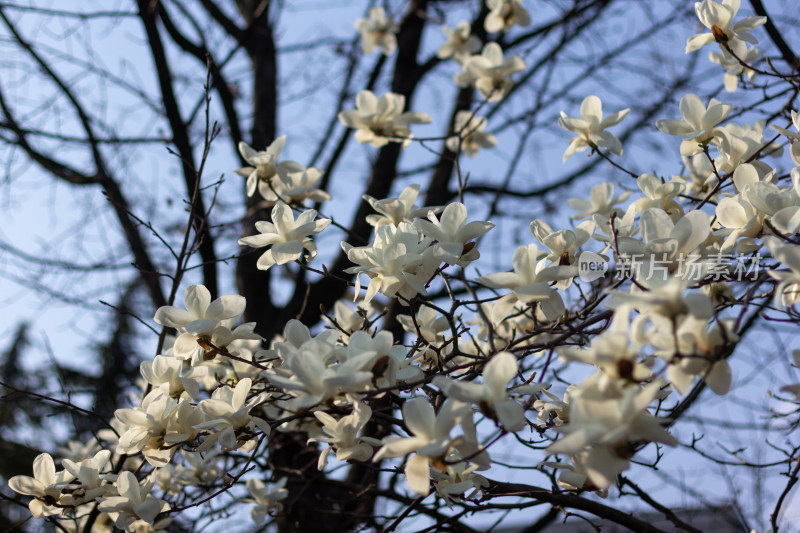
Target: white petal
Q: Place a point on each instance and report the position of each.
(592, 107)
(418, 474)
(148, 510)
(44, 469)
(227, 306)
(27, 485)
(499, 371)
(510, 414)
(197, 299)
(419, 417)
(172, 317)
(695, 42)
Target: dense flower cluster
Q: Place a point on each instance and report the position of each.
(219, 388)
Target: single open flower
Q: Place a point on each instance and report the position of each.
(591, 126)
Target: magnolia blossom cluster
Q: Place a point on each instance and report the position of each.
(734, 53)
(285, 180)
(219, 390)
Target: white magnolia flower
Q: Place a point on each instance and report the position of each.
(78, 451)
(397, 210)
(377, 31)
(504, 14)
(286, 236)
(456, 479)
(601, 202)
(612, 352)
(562, 245)
(530, 282)
(658, 194)
(793, 137)
(133, 502)
(610, 230)
(264, 168)
(666, 247)
(734, 68)
(741, 224)
(691, 348)
(427, 323)
(490, 395)
(379, 121)
(89, 479)
(224, 369)
(182, 424)
(297, 337)
(267, 497)
(156, 427)
(552, 410)
(201, 321)
(573, 476)
(740, 143)
(311, 381)
(208, 345)
(202, 468)
(342, 435)
(470, 136)
(45, 486)
(296, 185)
(146, 427)
(453, 236)
(398, 262)
(788, 290)
(718, 17)
(699, 125)
(430, 441)
(604, 428)
(591, 127)
(201, 314)
(667, 299)
(489, 72)
(780, 206)
(167, 373)
(228, 411)
(388, 365)
(460, 43)
(347, 320)
(701, 179)
(167, 480)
